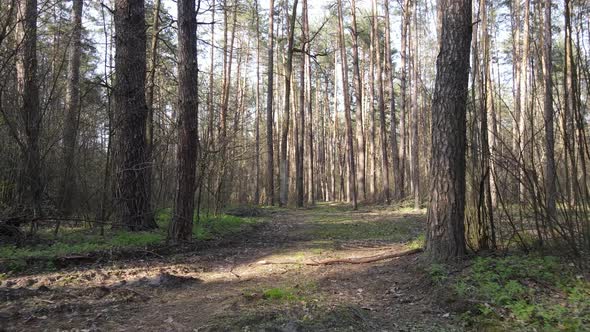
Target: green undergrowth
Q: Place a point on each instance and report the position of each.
(520, 292)
(84, 240)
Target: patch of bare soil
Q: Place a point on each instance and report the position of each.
(225, 288)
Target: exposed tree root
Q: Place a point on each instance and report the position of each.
(352, 260)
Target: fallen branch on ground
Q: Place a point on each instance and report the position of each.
(353, 260)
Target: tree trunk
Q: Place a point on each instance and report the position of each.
(404, 97)
(524, 105)
(210, 108)
(360, 137)
(395, 160)
(372, 131)
(311, 175)
(550, 173)
(29, 186)
(257, 121)
(347, 117)
(182, 221)
(72, 109)
(415, 143)
(150, 98)
(569, 95)
(381, 104)
(132, 160)
(284, 192)
(300, 124)
(270, 190)
(445, 238)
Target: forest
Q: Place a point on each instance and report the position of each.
(294, 165)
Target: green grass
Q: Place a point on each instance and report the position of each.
(279, 294)
(304, 291)
(82, 240)
(525, 293)
(335, 226)
(210, 227)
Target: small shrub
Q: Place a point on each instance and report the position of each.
(438, 273)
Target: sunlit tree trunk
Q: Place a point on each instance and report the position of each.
(381, 105)
(360, 137)
(283, 166)
(395, 160)
(445, 238)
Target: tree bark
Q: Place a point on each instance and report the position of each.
(550, 174)
(445, 238)
(300, 124)
(270, 190)
(415, 142)
(311, 175)
(72, 109)
(395, 160)
(182, 220)
(347, 117)
(381, 105)
(29, 185)
(129, 96)
(284, 187)
(404, 97)
(257, 121)
(524, 105)
(360, 137)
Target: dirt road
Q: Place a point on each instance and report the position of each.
(232, 287)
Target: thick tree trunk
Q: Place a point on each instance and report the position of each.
(72, 109)
(445, 238)
(182, 220)
(30, 187)
(131, 111)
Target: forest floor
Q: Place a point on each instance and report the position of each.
(238, 285)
